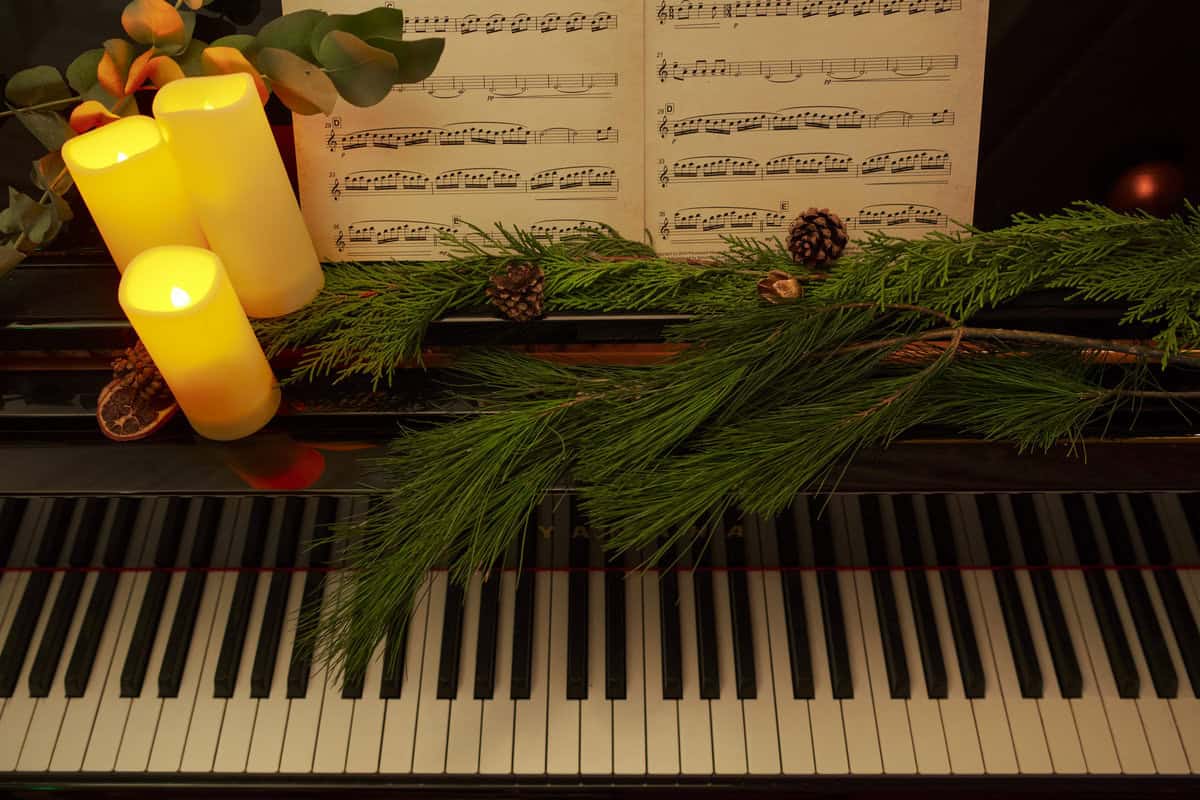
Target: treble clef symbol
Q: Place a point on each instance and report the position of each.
(340, 243)
(332, 141)
(664, 230)
(335, 191)
(662, 177)
(662, 127)
(662, 70)
(662, 11)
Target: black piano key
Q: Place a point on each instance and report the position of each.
(1012, 608)
(740, 615)
(352, 684)
(452, 618)
(579, 552)
(1054, 622)
(795, 616)
(267, 651)
(145, 630)
(95, 619)
(485, 648)
(1175, 602)
(234, 640)
(521, 684)
(706, 622)
(179, 640)
(669, 630)
(45, 662)
(832, 612)
(614, 630)
(899, 686)
(1137, 597)
(12, 511)
(966, 646)
(1116, 645)
(392, 680)
(933, 663)
(300, 660)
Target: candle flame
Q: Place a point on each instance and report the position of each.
(180, 298)
(208, 106)
(121, 157)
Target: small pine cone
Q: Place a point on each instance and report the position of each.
(518, 292)
(817, 237)
(780, 287)
(135, 369)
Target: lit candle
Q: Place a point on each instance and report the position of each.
(218, 133)
(182, 305)
(130, 183)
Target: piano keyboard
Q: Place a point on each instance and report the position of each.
(757, 656)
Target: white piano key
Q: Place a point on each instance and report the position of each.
(830, 753)
(662, 716)
(496, 735)
(562, 715)
(529, 727)
(1183, 552)
(760, 714)
(237, 726)
(629, 717)
(366, 722)
(728, 724)
(400, 717)
(1024, 718)
(466, 713)
(333, 726)
(795, 731)
(596, 712)
(433, 715)
(17, 712)
(695, 726)
(12, 584)
(270, 723)
(304, 713)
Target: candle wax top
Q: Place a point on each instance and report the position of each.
(114, 143)
(207, 93)
(169, 279)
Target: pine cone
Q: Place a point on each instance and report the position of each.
(779, 287)
(517, 292)
(817, 237)
(135, 370)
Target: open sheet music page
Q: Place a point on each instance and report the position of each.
(758, 109)
(533, 118)
(692, 119)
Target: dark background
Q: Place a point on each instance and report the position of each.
(1077, 92)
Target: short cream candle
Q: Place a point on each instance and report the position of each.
(218, 133)
(182, 305)
(130, 183)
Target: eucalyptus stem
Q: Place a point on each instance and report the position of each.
(66, 101)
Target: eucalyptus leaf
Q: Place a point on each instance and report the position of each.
(303, 87)
(363, 74)
(416, 60)
(156, 23)
(45, 225)
(292, 32)
(22, 210)
(62, 207)
(242, 42)
(81, 74)
(36, 85)
(189, 27)
(50, 173)
(49, 127)
(9, 258)
(378, 23)
(190, 59)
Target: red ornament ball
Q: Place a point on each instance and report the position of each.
(1155, 187)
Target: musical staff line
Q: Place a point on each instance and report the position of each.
(837, 70)
(399, 237)
(705, 224)
(517, 23)
(751, 9)
(462, 134)
(896, 164)
(800, 118)
(447, 86)
(476, 180)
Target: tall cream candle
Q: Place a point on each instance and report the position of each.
(130, 183)
(182, 305)
(218, 133)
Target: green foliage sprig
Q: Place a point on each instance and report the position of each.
(308, 58)
(768, 400)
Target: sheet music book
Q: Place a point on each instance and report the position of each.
(683, 120)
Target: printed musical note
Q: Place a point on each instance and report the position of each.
(481, 180)
(896, 165)
(469, 133)
(798, 118)
(400, 238)
(707, 224)
(517, 23)
(752, 9)
(874, 68)
(510, 85)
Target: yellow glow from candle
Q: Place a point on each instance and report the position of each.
(112, 144)
(121, 157)
(179, 297)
